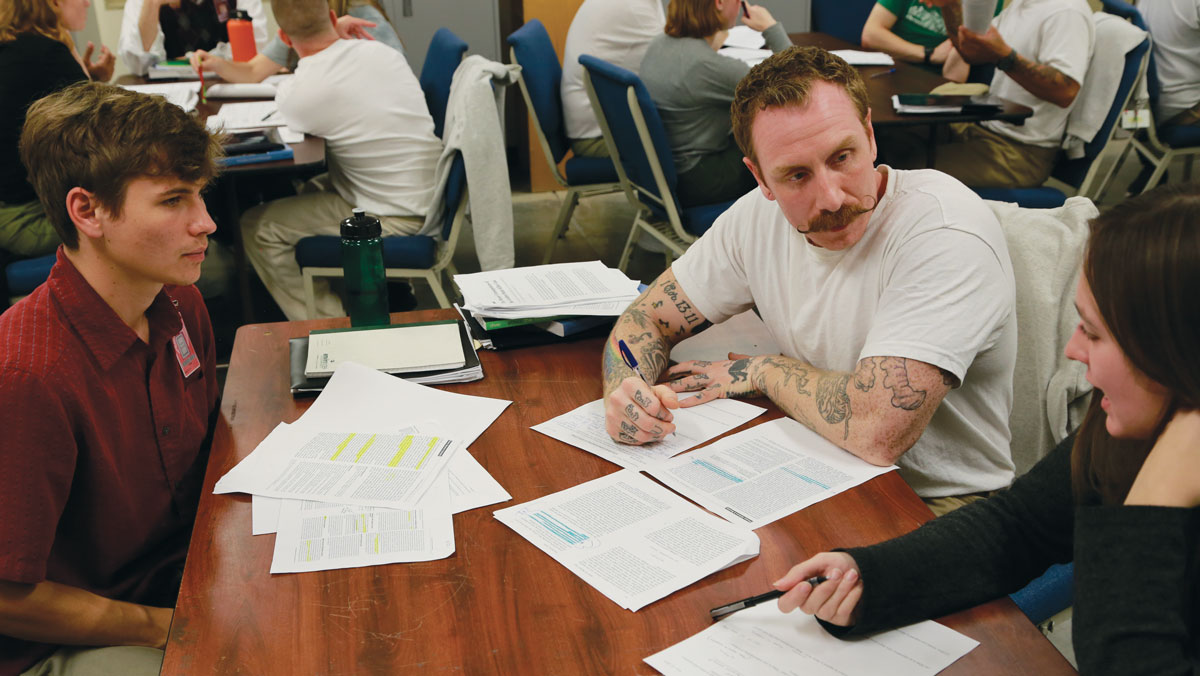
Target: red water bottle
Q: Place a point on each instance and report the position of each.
(241, 36)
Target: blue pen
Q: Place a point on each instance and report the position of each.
(886, 72)
(630, 361)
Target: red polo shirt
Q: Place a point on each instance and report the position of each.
(102, 444)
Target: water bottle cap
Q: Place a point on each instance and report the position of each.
(361, 226)
(241, 14)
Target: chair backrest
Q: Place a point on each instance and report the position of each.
(841, 18)
(641, 151)
(456, 186)
(441, 60)
(1132, 15)
(1078, 172)
(541, 75)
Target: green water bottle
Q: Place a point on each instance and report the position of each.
(362, 262)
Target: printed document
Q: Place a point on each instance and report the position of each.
(630, 538)
(584, 428)
(762, 640)
(245, 115)
(324, 536)
(856, 57)
(547, 290)
(183, 94)
(764, 473)
(358, 467)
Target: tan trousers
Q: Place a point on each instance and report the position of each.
(589, 147)
(270, 232)
(981, 158)
(943, 506)
(110, 661)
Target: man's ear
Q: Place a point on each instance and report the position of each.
(333, 19)
(86, 213)
(283, 36)
(871, 137)
(762, 185)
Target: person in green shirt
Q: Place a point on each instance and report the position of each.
(911, 31)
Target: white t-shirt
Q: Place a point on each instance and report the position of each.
(363, 99)
(1058, 33)
(1175, 25)
(930, 280)
(129, 45)
(617, 31)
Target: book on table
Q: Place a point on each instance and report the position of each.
(426, 346)
(943, 104)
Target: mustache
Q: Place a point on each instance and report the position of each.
(832, 220)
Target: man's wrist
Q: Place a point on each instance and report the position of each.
(1008, 61)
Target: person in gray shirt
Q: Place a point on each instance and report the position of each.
(692, 85)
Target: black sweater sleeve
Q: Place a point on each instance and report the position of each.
(975, 554)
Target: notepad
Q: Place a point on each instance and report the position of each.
(391, 349)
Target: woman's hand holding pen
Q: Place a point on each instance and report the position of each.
(757, 17)
(836, 600)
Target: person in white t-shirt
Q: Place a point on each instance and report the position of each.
(891, 293)
(363, 99)
(1175, 25)
(1041, 50)
(617, 31)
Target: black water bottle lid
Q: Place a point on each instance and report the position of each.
(361, 226)
(241, 14)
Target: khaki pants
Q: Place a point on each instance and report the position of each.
(114, 661)
(270, 232)
(943, 506)
(25, 230)
(589, 147)
(974, 154)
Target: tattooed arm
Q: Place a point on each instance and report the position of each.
(877, 412)
(663, 315)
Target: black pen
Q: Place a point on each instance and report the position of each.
(886, 72)
(728, 609)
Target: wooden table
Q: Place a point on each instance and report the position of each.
(906, 79)
(498, 605)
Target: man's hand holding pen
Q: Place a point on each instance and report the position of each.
(637, 411)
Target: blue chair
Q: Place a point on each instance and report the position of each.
(441, 60)
(637, 142)
(1083, 174)
(22, 276)
(1048, 595)
(531, 49)
(412, 257)
(841, 18)
(1157, 147)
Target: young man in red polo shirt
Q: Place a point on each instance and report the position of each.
(107, 386)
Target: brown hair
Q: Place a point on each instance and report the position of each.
(342, 7)
(785, 79)
(100, 137)
(300, 19)
(33, 16)
(693, 19)
(1143, 267)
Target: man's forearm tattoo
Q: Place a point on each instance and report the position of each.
(895, 378)
(833, 401)
(864, 375)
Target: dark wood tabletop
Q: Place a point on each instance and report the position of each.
(498, 605)
(907, 78)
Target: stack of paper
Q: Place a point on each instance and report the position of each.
(246, 115)
(751, 57)
(432, 346)
(175, 70)
(628, 537)
(371, 474)
(588, 288)
(183, 94)
(856, 57)
(744, 36)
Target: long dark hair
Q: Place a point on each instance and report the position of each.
(1143, 267)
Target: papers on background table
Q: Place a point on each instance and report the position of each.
(856, 57)
(588, 288)
(183, 94)
(765, 473)
(628, 537)
(751, 57)
(176, 70)
(246, 115)
(740, 334)
(744, 36)
(762, 640)
(584, 428)
(240, 90)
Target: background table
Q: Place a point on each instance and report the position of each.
(498, 605)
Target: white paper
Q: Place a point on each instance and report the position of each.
(289, 135)
(471, 487)
(240, 90)
(741, 334)
(356, 467)
(762, 640)
(584, 428)
(545, 290)
(764, 473)
(183, 94)
(751, 57)
(744, 36)
(323, 536)
(856, 57)
(245, 115)
(628, 537)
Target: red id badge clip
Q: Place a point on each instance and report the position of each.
(185, 354)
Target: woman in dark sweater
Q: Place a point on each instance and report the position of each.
(1118, 498)
(37, 57)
